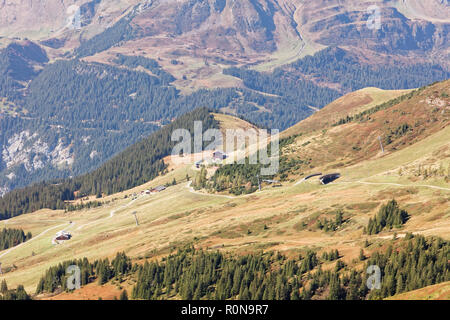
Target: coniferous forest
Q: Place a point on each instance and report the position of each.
(389, 216)
(136, 165)
(407, 264)
(93, 107)
(13, 294)
(12, 237)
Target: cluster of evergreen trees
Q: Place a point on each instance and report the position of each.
(331, 225)
(242, 178)
(13, 294)
(331, 256)
(136, 165)
(236, 178)
(55, 278)
(364, 115)
(400, 131)
(12, 237)
(35, 197)
(120, 31)
(190, 274)
(149, 64)
(416, 263)
(389, 216)
(407, 264)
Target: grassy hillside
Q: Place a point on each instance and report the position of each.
(351, 103)
(397, 123)
(283, 219)
(135, 165)
(437, 292)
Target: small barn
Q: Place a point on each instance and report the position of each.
(219, 155)
(198, 164)
(62, 236)
(159, 189)
(328, 178)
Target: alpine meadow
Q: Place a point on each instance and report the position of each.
(209, 157)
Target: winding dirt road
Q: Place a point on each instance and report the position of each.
(32, 239)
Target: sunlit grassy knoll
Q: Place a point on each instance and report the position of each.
(376, 167)
(282, 218)
(439, 291)
(348, 104)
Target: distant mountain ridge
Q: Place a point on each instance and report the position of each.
(126, 68)
(234, 31)
(403, 121)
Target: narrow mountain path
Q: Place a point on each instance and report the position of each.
(111, 214)
(32, 239)
(398, 184)
(383, 183)
(191, 190)
(299, 181)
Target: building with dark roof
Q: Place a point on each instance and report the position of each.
(328, 178)
(219, 155)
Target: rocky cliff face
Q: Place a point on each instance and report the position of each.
(33, 153)
(401, 30)
(26, 153)
(230, 28)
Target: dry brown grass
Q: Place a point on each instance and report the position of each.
(177, 216)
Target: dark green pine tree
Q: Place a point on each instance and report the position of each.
(4, 287)
(123, 295)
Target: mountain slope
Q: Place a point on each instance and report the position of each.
(344, 140)
(135, 165)
(349, 104)
(265, 32)
(436, 292)
(128, 67)
(288, 219)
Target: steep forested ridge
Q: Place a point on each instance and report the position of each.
(134, 166)
(17, 65)
(12, 237)
(120, 31)
(96, 110)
